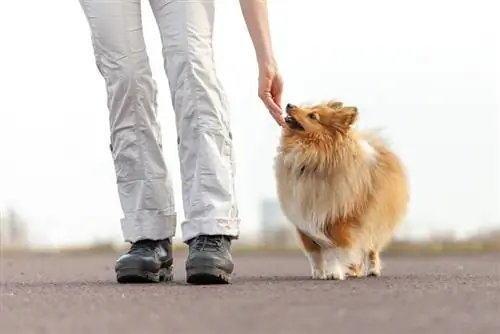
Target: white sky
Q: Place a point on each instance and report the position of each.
(427, 71)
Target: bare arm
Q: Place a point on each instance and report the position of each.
(270, 81)
(257, 22)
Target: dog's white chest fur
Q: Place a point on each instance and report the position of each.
(308, 201)
(306, 206)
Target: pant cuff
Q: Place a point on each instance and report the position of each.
(153, 225)
(210, 226)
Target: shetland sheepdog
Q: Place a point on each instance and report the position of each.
(344, 190)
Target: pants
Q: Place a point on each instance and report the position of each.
(201, 111)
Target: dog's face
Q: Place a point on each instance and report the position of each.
(331, 118)
(316, 137)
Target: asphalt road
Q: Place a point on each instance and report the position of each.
(60, 294)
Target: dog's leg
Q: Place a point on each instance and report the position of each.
(344, 262)
(336, 259)
(356, 270)
(357, 266)
(341, 257)
(314, 254)
(374, 263)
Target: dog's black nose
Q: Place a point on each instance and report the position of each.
(289, 106)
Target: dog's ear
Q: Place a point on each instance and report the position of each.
(349, 116)
(336, 105)
(341, 120)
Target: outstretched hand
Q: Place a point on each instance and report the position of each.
(270, 91)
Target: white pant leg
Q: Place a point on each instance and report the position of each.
(202, 117)
(144, 184)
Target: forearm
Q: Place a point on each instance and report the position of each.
(256, 18)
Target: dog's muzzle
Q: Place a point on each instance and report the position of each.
(292, 123)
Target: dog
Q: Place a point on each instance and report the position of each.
(344, 190)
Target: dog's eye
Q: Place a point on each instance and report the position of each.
(312, 116)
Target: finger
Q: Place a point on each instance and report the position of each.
(279, 120)
(277, 94)
(277, 99)
(277, 116)
(274, 110)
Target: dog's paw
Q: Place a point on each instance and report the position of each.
(355, 271)
(336, 275)
(351, 274)
(374, 273)
(318, 274)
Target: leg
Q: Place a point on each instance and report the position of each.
(356, 270)
(314, 254)
(204, 137)
(344, 259)
(343, 262)
(336, 259)
(374, 263)
(143, 181)
(357, 266)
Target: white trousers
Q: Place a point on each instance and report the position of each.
(201, 110)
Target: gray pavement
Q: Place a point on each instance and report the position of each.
(270, 293)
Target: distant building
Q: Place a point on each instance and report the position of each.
(13, 229)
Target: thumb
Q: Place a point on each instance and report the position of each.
(274, 109)
(276, 97)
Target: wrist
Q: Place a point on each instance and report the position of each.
(266, 62)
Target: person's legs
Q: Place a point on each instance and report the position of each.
(144, 184)
(204, 137)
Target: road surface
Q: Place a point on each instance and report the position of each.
(270, 293)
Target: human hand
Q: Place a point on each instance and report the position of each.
(270, 91)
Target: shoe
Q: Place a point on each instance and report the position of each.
(147, 261)
(209, 260)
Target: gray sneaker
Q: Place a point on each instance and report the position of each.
(209, 260)
(147, 261)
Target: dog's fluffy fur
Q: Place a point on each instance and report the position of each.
(345, 191)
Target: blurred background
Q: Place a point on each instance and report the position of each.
(426, 72)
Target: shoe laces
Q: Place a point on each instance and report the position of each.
(142, 246)
(208, 242)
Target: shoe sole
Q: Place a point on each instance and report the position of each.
(134, 275)
(207, 276)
